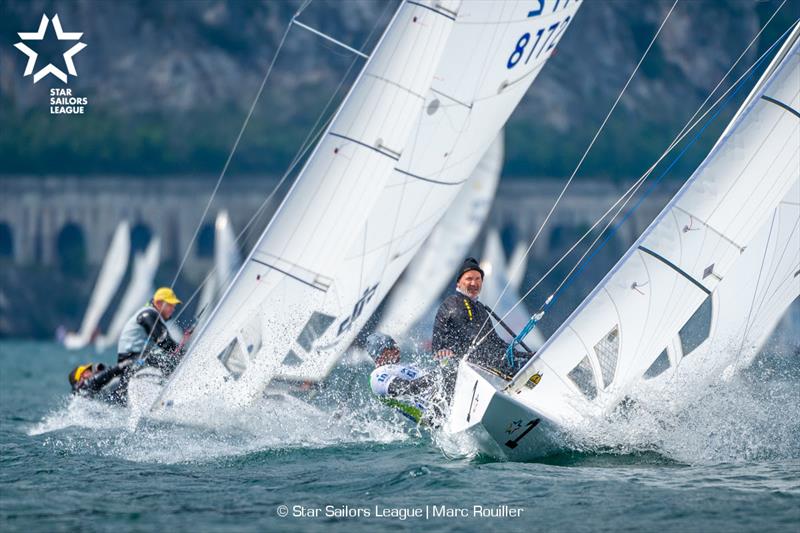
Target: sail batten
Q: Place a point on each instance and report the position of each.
(665, 286)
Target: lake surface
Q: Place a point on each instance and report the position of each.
(727, 460)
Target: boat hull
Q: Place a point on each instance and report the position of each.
(501, 426)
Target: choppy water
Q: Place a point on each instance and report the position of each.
(726, 458)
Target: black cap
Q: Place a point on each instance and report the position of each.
(470, 263)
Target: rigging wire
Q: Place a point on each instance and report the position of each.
(310, 140)
(585, 153)
(552, 298)
(633, 189)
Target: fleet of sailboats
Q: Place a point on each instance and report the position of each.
(431, 99)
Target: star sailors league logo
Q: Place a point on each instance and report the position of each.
(38, 35)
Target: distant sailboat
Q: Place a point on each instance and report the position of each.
(668, 284)
(227, 261)
(137, 293)
(431, 99)
(435, 264)
(111, 273)
(500, 293)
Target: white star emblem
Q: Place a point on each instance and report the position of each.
(38, 35)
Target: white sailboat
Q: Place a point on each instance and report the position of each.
(227, 261)
(112, 271)
(137, 293)
(432, 97)
(500, 293)
(434, 265)
(664, 284)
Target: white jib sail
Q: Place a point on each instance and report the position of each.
(678, 263)
(289, 273)
(137, 293)
(491, 59)
(496, 279)
(111, 273)
(434, 265)
(748, 303)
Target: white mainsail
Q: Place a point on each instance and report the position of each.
(290, 272)
(434, 265)
(479, 82)
(499, 293)
(111, 273)
(227, 261)
(137, 293)
(656, 290)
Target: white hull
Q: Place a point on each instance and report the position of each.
(501, 426)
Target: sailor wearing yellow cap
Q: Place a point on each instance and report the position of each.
(147, 329)
(94, 380)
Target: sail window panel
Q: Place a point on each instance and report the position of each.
(607, 351)
(233, 359)
(292, 359)
(314, 328)
(697, 328)
(583, 378)
(659, 366)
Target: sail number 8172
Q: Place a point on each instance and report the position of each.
(550, 33)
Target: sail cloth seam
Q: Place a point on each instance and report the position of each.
(580, 163)
(652, 187)
(681, 135)
(387, 81)
(296, 161)
(674, 267)
(781, 104)
(365, 145)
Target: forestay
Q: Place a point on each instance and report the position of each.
(496, 50)
(112, 271)
(137, 293)
(436, 262)
(677, 264)
(272, 305)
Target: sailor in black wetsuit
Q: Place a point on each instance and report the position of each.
(462, 319)
(145, 335)
(91, 381)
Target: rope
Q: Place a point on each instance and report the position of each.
(637, 184)
(580, 163)
(552, 298)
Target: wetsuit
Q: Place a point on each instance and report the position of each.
(141, 333)
(459, 321)
(404, 387)
(94, 387)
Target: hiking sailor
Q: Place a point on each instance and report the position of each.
(402, 386)
(146, 337)
(94, 380)
(462, 320)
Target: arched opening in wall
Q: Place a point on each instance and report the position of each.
(140, 237)
(71, 250)
(6, 241)
(205, 242)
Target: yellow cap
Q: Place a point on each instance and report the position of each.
(165, 294)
